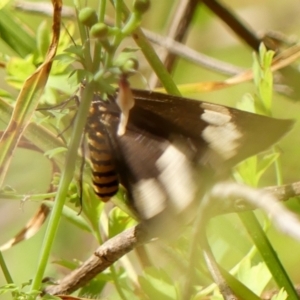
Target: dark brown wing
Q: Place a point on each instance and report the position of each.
(236, 133)
(173, 146)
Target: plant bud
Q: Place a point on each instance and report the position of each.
(141, 6)
(130, 66)
(88, 16)
(99, 30)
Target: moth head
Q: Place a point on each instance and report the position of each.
(125, 101)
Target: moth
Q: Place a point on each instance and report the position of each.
(171, 151)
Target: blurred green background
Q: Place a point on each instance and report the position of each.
(30, 173)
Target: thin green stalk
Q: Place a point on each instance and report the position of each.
(156, 64)
(152, 58)
(18, 197)
(72, 216)
(116, 282)
(5, 269)
(97, 56)
(6, 273)
(118, 21)
(278, 169)
(102, 9)
(268, 254)
(87, 63)
(66, 178)
(118, 11)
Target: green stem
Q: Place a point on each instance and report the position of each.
(102, 9)
(87, 63)
(118, 20)
(268, 253)
(97, 57)
(5, 271)
(19, 197)
(156, 64)
(117, 284)
(278, 168)
(118, 10)
(133, 22)
(66, 178)
(152, 58)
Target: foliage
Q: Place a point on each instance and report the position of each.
(102, 60)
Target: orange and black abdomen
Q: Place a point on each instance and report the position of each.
(105, 178)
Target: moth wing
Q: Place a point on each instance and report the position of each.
(231, 133)
(159, 175)
(172, 148)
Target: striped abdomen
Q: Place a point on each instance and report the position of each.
(105, 179)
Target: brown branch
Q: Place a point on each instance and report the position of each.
(178, 28)
(172, 46)
(232, 21)
(43, 8)
(285, 192)
(282, 193)
(222, 194)
(104, 256)
(115, 248)
(215, 272)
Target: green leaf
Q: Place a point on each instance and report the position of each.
(263, 79)
(18, 70)
(95, 286)
(282, 295)
(51, 153)
(250, 170)
(62, 82)
(92, 207)
(254, 277)
(246, 171)
(267, 252)
(119, 221)
(43, 39)
(65, 58)
(157, 284)
(14, 35)
(265, 163)
(72, 216)
(8, 288)
(70, 265)
(121, 200)
(247, 103)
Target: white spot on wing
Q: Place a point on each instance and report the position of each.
(177, 177)
(215, 118)
(151, 199)
(221, 134)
